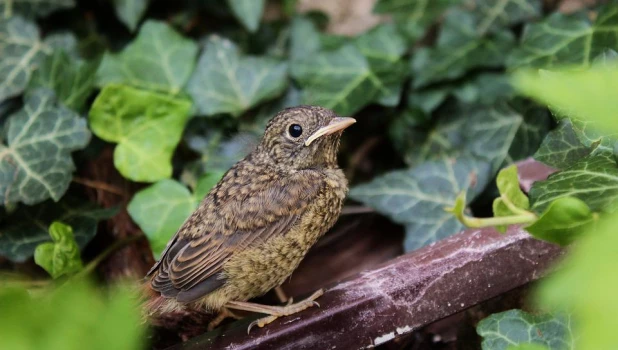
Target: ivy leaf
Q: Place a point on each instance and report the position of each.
(162, 208)
(61, 256)
(33, 8)
(130, 11)
(561, 39)
(26, 228)
(304, 39)
(492, 15)
(22, 50)
(158, 59)
(478, 131)
(458, 50)
(418, 197)
(561, 148)
(35, 161)
(593, 179)
(341, 80)
(384, 47)
(248, 12)
(71, 81)
(513, 327)
(76, 316)
(146, 125)
(485, 88)
(563, 221)
(413, 17)
(535, 125)
(508, 185)
(227, 82)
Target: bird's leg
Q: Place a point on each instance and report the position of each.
(274, 312)
(281, 295)
(223, 314)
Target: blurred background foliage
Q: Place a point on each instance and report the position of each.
(182, 90)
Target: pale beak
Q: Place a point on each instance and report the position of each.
(337, 124)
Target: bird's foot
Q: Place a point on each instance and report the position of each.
(275, 312)
(223, 314)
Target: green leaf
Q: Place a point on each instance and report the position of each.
(579, 96)
(60, 257)
(593, 179)
(417, 197)
(22, 50)
(479, 131)
(341, 80)
(458, 50)
(304, 39)
(485, 88)
(508, 185)
(514, 327)
(130, 11)
(33, 8)
(71, 81)
(384, 48)
(35, 161)
(584, 284)
(413, 17)
(162, 208)
(561, 39)
(26, 228)
(248, 12)
(72, 317)
(492, 15)
(535, 125)
(146, 125)
(159, 59)
(563, 221)
(227, 82)
(561, 148)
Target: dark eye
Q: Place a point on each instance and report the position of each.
(295, 130)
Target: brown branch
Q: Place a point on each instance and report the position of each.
(99, 186)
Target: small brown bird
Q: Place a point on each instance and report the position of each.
(256, 225)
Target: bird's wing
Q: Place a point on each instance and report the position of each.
(193, 259)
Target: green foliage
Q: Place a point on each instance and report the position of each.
(506, 330)
(130, 11)
(71, 82)
(22, 50)
(35, 161)
(72, 317)
(416, 197)
(32, 8)
(512, 200)
(562, 148)
(158, 59)
(146, 125)
(61, 256)
(26, 227)
(583, 285)
(562, 221)
(227, 82)
(248, 12)
(160, 209)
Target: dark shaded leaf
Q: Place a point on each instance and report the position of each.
(130, 11)
(562, 148)
(248, 12)
(513, 327)
(27, 227)
(33, 8)
(417, 197)
(35, 161)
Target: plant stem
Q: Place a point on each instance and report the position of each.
(99, 186)
(512, 207)
(99, 258)
(499, 221)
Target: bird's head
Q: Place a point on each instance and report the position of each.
(304, 137)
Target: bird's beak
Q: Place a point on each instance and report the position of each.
(335, 125)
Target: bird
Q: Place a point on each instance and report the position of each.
(254, 227)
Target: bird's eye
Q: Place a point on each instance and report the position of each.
(295, 130)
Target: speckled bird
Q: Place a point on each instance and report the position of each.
(255, 226)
